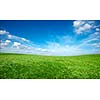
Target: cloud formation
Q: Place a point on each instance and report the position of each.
(97, 29)
(2, 32)
(82, 26)
(59, 45)
(4, 43)
(16, 44)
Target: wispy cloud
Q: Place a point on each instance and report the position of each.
(2, 32)
(97, 29)
(96, 45)
(17, 38)
(16, 44)
(81, 26)
(4, 43)
(58, 45)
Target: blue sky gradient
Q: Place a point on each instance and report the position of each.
(50, 37)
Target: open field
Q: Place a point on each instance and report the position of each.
(21, 66)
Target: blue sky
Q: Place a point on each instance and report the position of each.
(50, 37)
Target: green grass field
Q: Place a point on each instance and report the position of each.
(21, 66)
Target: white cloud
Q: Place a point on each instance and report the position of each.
(51, 48)
(55, 48)
(9, 36)
(61, 46)
(87, 41)
(44, 50)
(7, 41)
(97, 26)
(82, 26)
(53, 44)
(2, 32)
(41, 49)
(4, 44)
(91, 40)
(25, 40)
(97, 29)
(16, 38)
(13, 37)
(96, 33)
(87, 26)
(78, 23)
(96, 45)
(16, 44)
(21, 47)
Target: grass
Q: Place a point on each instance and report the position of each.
(21, 66)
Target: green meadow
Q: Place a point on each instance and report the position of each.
(25, 66)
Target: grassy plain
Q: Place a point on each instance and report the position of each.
(24, 66)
